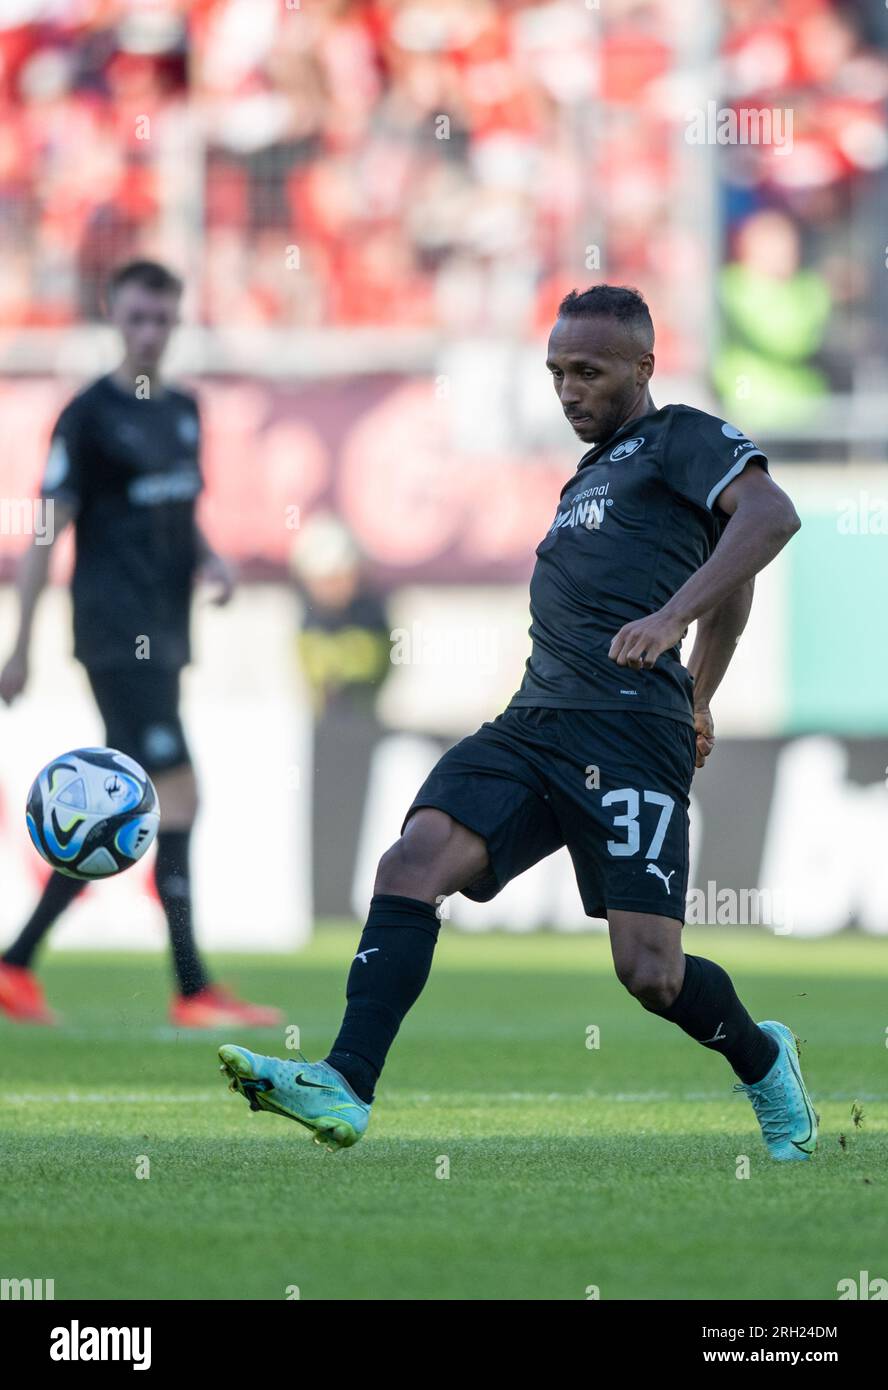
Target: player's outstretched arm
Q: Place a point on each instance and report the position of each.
(30, 581)
(763, 519)
(718, 632)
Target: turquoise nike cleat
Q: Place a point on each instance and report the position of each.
(782, 1105)
(311, 1093)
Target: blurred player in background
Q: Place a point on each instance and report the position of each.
(669, 516)
(344, 649)
(124, 467)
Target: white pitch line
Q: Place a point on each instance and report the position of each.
(464, 1099)
(108, 1098)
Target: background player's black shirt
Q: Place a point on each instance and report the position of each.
(132, 469)
(636, 520)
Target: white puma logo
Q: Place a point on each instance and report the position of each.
(652, 869)
(362, 955)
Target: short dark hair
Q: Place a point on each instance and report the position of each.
(613, 302)
(151, 275)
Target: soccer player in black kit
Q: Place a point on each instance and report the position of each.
(669, 516)
(124, 467)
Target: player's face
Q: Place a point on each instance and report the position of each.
(598, 374)
(145, 319)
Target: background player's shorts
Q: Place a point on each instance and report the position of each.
(140, 707)
(612, 785)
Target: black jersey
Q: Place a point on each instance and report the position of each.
(636, 520)
(131, 467)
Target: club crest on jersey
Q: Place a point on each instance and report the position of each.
(627, 447)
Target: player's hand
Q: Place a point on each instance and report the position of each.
(705, 733)
(217, 570)
(639, 644)
(13, 677)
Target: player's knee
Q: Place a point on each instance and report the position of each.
(402, 871)
(654, 982)
(190, 802)
(178, 797)
(433, 858)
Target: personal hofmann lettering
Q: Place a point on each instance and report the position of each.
(585, 509)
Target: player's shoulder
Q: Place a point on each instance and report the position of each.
(691, 415)
(182, 397)
(672, 420)
(77, 418)
(687, 421)
(84, 400)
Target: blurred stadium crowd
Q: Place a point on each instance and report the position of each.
(438, 163)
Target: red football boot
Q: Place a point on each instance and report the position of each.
(214, 1007)
(21, 996)
(253, 1015)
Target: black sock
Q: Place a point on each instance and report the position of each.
(708, 1009)
(174, 889)
(58, 893)
(387, 975)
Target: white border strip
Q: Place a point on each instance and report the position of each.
(732, 473)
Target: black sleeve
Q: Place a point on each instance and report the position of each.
(702, 454)
(64, 477)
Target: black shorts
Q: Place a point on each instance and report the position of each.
(140, 707)
(612, 785)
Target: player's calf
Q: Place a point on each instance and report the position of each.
(386, 977)
(434, 857)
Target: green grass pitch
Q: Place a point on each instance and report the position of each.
(569, 1166)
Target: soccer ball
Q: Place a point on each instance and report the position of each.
(92, 813)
